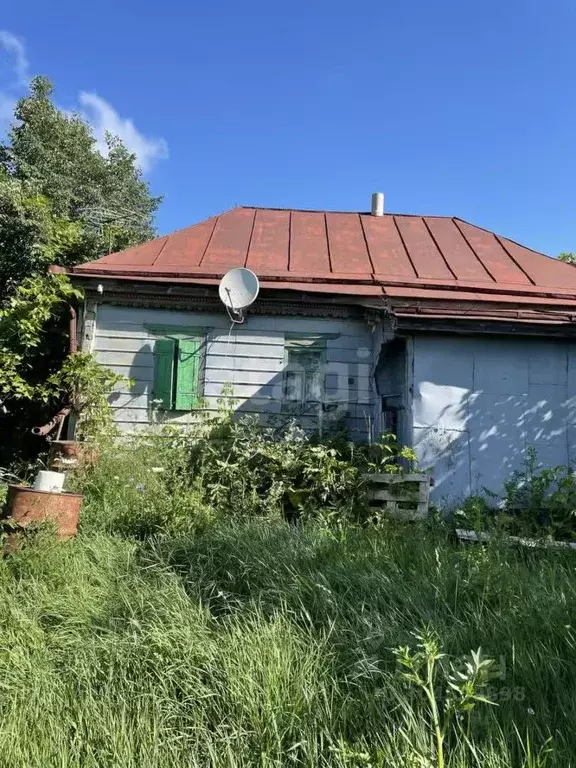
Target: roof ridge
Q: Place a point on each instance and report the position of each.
(349, 212)
(514, 260)
(290, 210)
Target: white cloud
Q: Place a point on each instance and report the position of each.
(16, 49)
(104, 118)
(14, 75)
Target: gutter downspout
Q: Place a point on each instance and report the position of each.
(73, 347)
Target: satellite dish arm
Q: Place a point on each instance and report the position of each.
(239, 287)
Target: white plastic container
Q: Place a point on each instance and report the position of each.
(49, 481)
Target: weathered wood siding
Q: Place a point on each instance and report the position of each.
(479, 403)
(250, 360)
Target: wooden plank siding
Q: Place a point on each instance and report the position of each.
(250, 361)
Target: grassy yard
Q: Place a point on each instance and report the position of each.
(261, 644)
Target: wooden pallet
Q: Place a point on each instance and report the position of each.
(404, 497)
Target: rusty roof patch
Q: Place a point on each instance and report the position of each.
(415, 256)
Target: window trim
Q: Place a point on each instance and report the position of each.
(305, 342)
(177, 333)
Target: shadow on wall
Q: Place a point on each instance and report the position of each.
(350, 396)
(480, 403)
(141, 383)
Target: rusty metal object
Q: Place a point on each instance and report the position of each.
(63, 412)
(340, 248)
(69, 454)
(25, 506)
(54, 421)
(73, 344)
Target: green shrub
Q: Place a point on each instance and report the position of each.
(249, 469)
(170, 481)
(542, 500)
(142, 486)
(535, 501)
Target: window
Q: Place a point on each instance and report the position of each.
(303, 385)
(176, 373)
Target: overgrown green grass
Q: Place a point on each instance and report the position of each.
(146, 642)
(265, 645)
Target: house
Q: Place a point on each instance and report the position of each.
(459, 340)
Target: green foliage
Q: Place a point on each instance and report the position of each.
(87, 385)
(168, 479)
(169, 634)
(141, 487)
(61, 202)
(387, 456)
(23, 317)
(568, 257)
(79, 382)
(56, 187)
(450, 690)
(542, 500)
(31, 236)
(268, 645)
(248, 469)
(536, 501)
(477, 511)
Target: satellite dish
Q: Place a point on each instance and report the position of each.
(238, 289)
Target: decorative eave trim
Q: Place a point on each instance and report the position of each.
(211, 304)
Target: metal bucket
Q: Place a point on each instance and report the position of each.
(25, 506)
(49, 481)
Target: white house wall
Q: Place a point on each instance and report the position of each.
(250, 360)
(480, 402)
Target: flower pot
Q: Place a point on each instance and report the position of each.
(25, 506)
(69, 454)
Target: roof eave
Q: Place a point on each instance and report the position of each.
(401, 287)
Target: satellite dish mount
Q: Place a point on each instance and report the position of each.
(238, 289)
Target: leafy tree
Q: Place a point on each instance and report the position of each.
(61, 202)
(568, 257)
(23, 318)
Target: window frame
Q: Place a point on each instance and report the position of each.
(305, 343)
(176, 334)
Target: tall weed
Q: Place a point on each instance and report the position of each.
(173, 481)
(271, 645)
(535, 501)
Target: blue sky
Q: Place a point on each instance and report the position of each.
(453, 108)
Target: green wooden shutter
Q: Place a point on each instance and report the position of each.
(187, 374)
(164, 371)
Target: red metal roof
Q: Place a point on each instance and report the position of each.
(394, 255)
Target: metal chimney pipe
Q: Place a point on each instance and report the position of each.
(378, 204)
